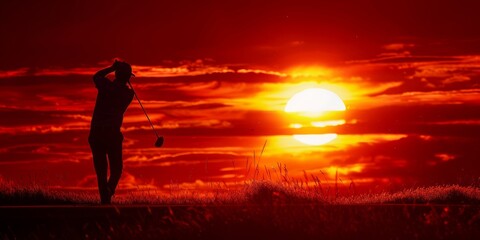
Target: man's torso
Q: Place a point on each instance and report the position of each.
(112, 101)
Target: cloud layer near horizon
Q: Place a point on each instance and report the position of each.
(199, 111)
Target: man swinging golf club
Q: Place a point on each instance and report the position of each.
(105, 138)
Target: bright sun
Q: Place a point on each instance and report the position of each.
(314, 101)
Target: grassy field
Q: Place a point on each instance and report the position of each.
(259, 210)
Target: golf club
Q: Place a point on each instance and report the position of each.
(159, 141)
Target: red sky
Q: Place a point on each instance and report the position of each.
(215, 76)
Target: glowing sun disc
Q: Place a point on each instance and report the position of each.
(315, 139)
(315, 100)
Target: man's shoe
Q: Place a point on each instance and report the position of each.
(106, 197)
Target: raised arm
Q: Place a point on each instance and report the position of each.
(100, 77)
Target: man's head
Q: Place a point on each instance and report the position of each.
(123, 71)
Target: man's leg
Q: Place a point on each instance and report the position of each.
(115, 160)
(99, 153)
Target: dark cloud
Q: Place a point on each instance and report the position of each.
(67, 139)
(421, 73)
(415, 159)
(48, 81)
(32, 118)
(165, 175)
(450, 82)
(418, 113)
(42, 174)
(206, 106)
(409, 59)
(183, 158)
(230, 77)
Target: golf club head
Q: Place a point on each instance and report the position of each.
(159, 142)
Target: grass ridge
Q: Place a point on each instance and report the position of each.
(253, 192)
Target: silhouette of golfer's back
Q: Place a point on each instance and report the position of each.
(105, 138)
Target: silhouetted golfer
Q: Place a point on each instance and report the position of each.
(105, 137)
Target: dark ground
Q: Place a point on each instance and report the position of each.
(246, 222)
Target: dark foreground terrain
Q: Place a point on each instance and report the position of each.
(260, 210)
(272, 221)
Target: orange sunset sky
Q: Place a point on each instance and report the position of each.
(215, 77)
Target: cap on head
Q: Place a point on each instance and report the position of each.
(123, 67)
(123, 71)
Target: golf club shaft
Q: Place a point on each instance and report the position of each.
(141, 105)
